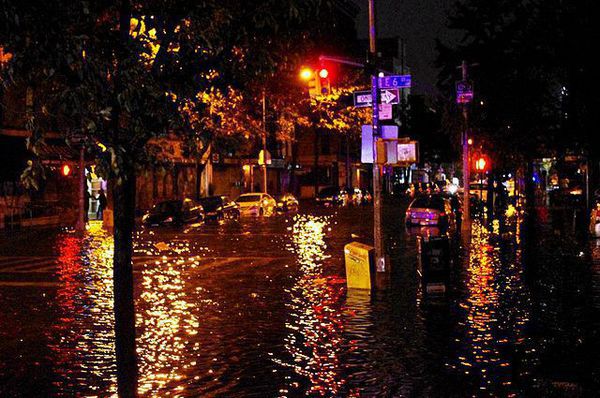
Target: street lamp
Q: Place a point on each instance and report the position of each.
(306, 74)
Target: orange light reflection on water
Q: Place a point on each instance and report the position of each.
(315, 322)
(496, 306)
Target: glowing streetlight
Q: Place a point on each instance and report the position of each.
(306, 74)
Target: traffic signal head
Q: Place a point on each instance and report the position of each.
(481, 164)
(314, 81)
(324, 81)
(66, 170)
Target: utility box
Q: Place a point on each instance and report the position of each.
(360, 266)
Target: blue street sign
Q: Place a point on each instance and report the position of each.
(464, 92)
(397, 81)
(375, 104)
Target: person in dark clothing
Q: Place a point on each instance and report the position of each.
(102, 202)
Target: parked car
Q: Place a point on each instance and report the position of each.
(256, 204)
(430, 210)
(174, 212)
(333, 196)
(219, 208)
(287, 202)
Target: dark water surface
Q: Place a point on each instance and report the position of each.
(260, 309)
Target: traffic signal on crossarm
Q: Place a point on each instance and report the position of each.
(313, 80)
(65, 170)
(482, 163)
(324, 81)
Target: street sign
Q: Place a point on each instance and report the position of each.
(390, 96)
(408, 152)
(464, 92)
(396, 81)
(364, 98)
(375, 105)
(385, 111)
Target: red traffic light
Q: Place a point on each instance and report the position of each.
(66, 170)
(481, 164)
(323, 73)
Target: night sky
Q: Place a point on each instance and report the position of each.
(420, 22)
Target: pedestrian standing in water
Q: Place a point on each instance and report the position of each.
(102, 202)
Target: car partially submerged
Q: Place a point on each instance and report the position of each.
(256, 204)
(219, 208)
(287, 202)
(333, 196)
(434, 210)
(174, 212)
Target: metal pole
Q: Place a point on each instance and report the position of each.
(587, 184)
(466, 167)
(377, 233)
(264, 140)
(80, 226)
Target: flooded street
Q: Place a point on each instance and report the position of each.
(260, 308)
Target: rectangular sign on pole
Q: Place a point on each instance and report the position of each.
(408, 152)
(396, 81)
(464, 92)
(387, 133)
(375, 105)
(362, 99)
(385, 111)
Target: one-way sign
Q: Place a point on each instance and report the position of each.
(387, 96)
(362, 98)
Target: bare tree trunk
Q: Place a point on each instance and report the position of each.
(124, 220)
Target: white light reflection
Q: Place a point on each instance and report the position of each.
(316, 322)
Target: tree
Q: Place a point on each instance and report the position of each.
(532, 82)
(121, 73)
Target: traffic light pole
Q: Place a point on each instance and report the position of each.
(377, 232)
(466, 222)
(80, 224)
(264, 140)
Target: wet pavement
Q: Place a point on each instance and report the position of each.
(259, 308)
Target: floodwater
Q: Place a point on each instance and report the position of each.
(259, 308)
